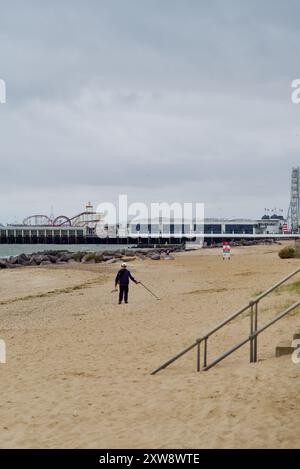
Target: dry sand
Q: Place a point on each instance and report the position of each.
(78, 365)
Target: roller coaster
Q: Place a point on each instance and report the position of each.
(86, 218)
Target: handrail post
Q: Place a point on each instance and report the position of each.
(255, 330)
(251, 332)
(205, 352)
(198, 355)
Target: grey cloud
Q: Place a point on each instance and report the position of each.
(158, 99)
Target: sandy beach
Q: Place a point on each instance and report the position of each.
(78, 364)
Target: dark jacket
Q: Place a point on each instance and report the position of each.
(123, 277)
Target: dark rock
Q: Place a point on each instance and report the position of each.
(65, 257)
(98, 257)
(23, 258)
(52, 258)
(45, 258)
(140, 252)
(149, 254)
(12, 260)
(90, 261)
(38, 259)
(45, 263)
(107, 257)
(22, 262)
(128, 259)
(155, 256)
(117, 255)
(89, 258)
(111, 261)
(141, 256)
(12, 266)
(77, 256)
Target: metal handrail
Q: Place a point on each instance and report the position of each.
(253, 305)
(255, 334)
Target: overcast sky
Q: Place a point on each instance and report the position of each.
(164, 100)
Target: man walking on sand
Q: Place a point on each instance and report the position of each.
(122, 279)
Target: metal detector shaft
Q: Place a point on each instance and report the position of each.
(153, 294)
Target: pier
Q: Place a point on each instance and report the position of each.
(71, 235)
(82, 229)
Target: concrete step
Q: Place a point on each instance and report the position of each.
(284, 348)
(296, 336)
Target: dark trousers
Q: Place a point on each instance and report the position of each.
(123, 293)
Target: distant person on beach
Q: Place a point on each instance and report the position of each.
(226, 251)
(122, 279)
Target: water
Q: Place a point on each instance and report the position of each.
(7, 250)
